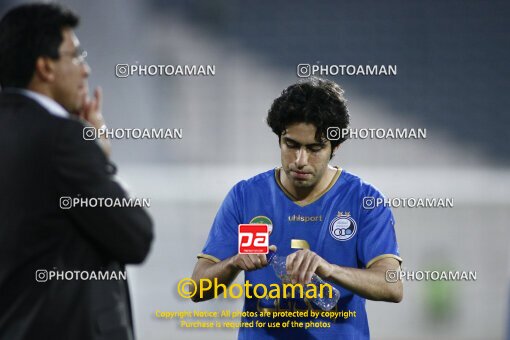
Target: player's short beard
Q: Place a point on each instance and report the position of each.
(301, 184)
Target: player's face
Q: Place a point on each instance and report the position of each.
(70, 77)
(304, 159)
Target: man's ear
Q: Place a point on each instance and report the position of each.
(45, 69)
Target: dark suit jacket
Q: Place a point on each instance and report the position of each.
(42, 158)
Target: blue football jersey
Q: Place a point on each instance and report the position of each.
(335, 225)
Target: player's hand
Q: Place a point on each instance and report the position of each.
(91, 112)
(302, 264)
(249, 262)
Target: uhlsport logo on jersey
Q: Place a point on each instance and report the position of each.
(343, 227)
(263, 220)
(253, 239)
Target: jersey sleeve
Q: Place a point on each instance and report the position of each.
(377, 239)
(222, 242)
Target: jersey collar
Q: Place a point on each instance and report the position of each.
(289, 195)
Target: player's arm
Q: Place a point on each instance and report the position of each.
(225, 271)
(369, 283)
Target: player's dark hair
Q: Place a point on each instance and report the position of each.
(315, 101)
(28, 32)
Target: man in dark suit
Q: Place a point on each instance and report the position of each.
(44, 157)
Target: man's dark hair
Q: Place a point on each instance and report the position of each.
(28, 32)
(316, 101)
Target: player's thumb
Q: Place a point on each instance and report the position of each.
(273, 248)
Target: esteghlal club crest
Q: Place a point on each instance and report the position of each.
(263, 220)
(343, 227)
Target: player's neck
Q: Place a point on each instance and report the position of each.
(304, 195)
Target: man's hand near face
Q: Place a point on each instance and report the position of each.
(91, 112)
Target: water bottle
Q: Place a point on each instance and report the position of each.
(325, 302)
